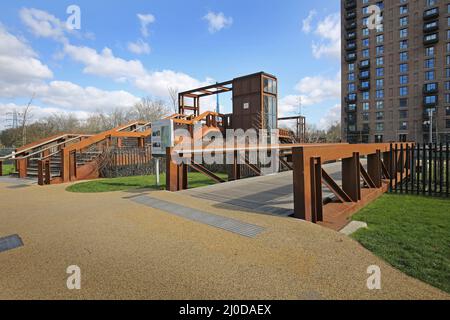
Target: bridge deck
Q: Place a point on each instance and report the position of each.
(271, 194)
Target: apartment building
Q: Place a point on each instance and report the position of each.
(396, 74)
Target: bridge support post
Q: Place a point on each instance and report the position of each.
(176, 174)
(351, 181)
(302, 185)
(374, 168)
(236, 168)
(316, 188)
(22, 168)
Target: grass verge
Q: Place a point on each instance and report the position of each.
(8, 169)
(141, 182)
(412, 233)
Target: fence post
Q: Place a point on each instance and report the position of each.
(351, 177)
(1, 168)
(374, 168)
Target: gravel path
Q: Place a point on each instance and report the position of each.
(130, 251)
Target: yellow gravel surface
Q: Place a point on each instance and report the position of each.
(130, 251)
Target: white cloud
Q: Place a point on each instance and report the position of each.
(18, 61)
(43, 24)
(308, 21)
(105, 64)
(332, 117)
(145, 20)
(311, 91)
(328, 33)
(23, 74)
(217, 21)
(139, 47)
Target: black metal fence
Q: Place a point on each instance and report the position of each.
(421, 170)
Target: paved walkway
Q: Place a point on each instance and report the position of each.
(271, 194)
(128, 250)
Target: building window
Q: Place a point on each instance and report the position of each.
(404, 9)
(429, 52)
(447, 111)
(430, 99)
(380, 38)
(351, 87)
(403, 21)
(365, 53)
(380, 50)
(380, 61)
(365, 42)
(380, 105)
(351, 77)
(380, 72)
(365, 116)
(404, 56)
(270, 85)
(403, 103)
(403, 44)
(403, 68)
(403, 79)
(380, 115)
(366, 96)
(365, 106)
(429, 75)
(380, 126)
(403, 114)
(403, 91)
(429, 63)
(379, 138)
(380, 83)
(404, 33)
(403, 125)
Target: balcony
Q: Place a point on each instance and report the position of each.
(431, 14)
(350, 99)
(364, 64)
(365, 87)
(350, 5)
(431, 38)
(431, 26)
(364, 75)
(351, 15)
(351, 46)
(351, 36)
(350, 26)
(350, 57)
(430, 88)
(429, 101)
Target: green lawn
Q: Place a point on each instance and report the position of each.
(141, 182)
(412, 233)
(8, 169)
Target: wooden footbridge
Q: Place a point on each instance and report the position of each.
(327, 184)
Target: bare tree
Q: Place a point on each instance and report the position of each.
(148, 110)
(173, 95)
(26, 115)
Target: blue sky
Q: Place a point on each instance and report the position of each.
(127, 50)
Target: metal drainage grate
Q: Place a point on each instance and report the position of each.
(231, 225)
(11, 242)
